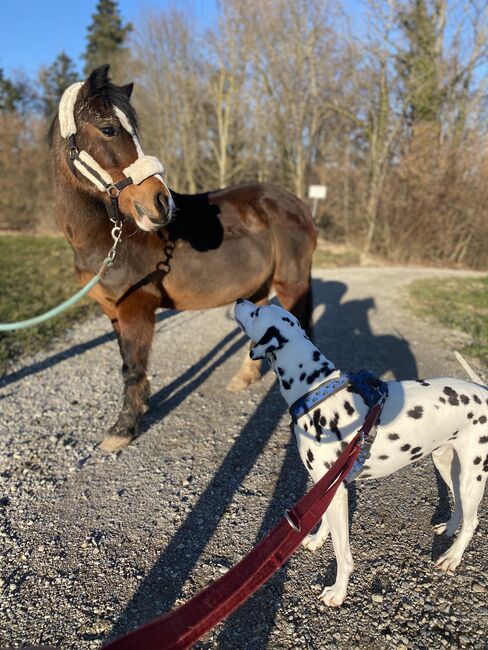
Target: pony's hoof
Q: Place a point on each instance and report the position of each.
(113, 443)
(242, 380)
(236, 384)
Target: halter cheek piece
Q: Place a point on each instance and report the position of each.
(136, 173)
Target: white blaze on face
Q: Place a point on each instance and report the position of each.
(144, 166)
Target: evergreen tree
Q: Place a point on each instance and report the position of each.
(10, 93)
(106, 35)
(54, 80)
(419, 65)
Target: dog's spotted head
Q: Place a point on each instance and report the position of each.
(270, 328)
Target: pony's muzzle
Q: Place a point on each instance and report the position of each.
(164, 209)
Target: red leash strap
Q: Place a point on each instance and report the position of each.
(181, 627)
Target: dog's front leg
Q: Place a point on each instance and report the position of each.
(316, 540)
(338, 520)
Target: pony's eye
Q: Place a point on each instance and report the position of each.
(108, 130)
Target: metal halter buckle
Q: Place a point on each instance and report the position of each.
(113, 191)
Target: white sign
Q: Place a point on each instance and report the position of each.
(317, 191)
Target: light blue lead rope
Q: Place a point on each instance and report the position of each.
(106, 264)
(19, 325)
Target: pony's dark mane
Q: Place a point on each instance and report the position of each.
(114, 95)
(110, 95)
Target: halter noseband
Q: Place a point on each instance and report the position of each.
(141, 169)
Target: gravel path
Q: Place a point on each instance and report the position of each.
(93, 544)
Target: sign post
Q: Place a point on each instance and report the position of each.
(316, 192)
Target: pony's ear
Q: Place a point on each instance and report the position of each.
(127, 89)
(96, 80)
(271, 340)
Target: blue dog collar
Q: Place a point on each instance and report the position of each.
(308, 401)
(367, 385)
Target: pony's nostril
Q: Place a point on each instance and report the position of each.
(162, 204)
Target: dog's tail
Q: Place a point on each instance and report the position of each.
(471, 373)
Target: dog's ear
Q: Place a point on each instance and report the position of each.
(271, 340)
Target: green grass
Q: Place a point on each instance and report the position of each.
(328, 256)
(458, 303)
(36, 274)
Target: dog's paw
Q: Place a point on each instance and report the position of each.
(333, 596)
(449, 561)
(313, 542)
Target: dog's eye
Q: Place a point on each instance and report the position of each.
(108, 130)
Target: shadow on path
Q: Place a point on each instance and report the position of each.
(69, 353)
(344, 334)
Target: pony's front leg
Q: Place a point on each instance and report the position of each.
(134, 326)
(248, 373)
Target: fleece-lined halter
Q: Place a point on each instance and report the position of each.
(137, 172)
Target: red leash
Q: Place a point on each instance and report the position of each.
(181, 627)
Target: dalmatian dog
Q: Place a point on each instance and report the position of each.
(444, 417)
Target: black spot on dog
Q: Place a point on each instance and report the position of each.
(271, 333)
(302, 376)
(416, 413)
(393, 436)
(305, 426)
(483, 440)
(470, 415)
(482, 419)
(476, 399)
(316, 424)
(333, 425)
(280, 371)
(422, 382)
(309, 465)
(323, 420)
(479, 477)
(477, 460)
(349, 408)
(405, 447)
(475, 421)
(383, 457)
(365, 475)
(453, 397)
(442, 399)
(313, 376)
(416, 457)
(316, 355)
(365, 467)
(287, 384)
(464, 399)
(416, 450)
(454, 435)
(300, 365)
(326, 464)
(310, 455)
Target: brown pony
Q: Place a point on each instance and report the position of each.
(188, 251)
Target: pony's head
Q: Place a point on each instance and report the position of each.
(98, 128)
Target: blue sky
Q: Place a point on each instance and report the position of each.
(34, 32)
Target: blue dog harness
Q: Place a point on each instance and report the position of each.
(373, 391)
